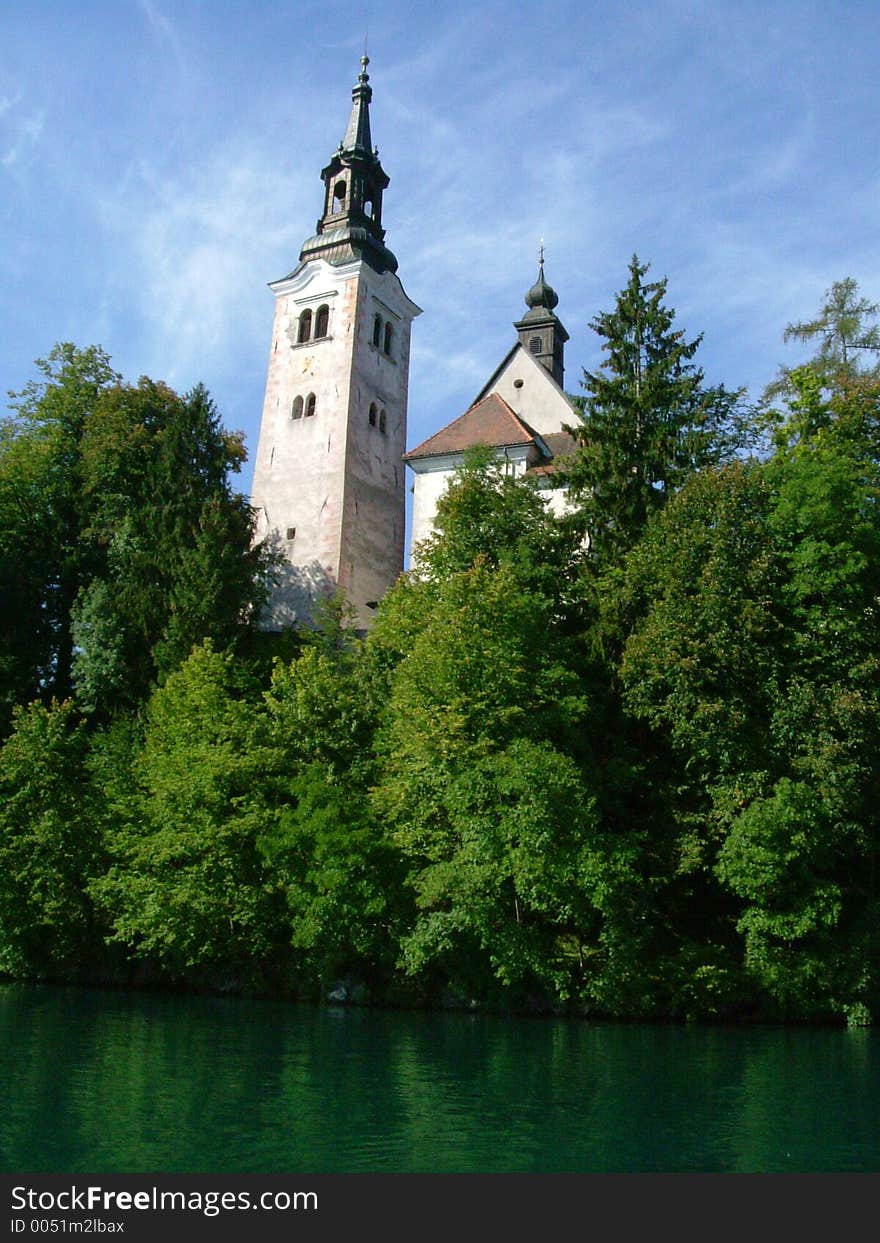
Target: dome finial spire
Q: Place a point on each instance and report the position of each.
(357, 135)
(541, 294)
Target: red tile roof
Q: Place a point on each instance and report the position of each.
(561, 446)
(488, 422)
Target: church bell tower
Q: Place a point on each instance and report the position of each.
(540, 330)
(329, 475)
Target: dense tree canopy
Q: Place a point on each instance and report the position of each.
(634, 778)
(121, 541)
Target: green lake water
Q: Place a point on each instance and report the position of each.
(105, 1082)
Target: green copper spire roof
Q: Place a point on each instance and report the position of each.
(350, 226)
(357, 135)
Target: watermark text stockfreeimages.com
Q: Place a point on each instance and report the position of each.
(94, 1198)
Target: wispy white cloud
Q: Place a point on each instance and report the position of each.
(728, 143)
(190, 244)
(20, 133)
(162, 24)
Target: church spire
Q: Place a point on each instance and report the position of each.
(357, 135)
(354, 181)
(541, 294)
(540, 331)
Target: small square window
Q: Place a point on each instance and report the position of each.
(291, 532)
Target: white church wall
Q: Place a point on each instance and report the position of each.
(429, 484)
(433, 476)
(531, 393)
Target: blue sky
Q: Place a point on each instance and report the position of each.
(159, 164)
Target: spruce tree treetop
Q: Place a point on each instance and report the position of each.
(649, 420)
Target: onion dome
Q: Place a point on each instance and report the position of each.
(541, 294)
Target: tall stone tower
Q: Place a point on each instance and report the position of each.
(329, 482)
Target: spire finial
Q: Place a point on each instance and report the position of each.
(357, 135)
(541, 294)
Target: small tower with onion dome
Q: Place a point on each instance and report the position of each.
(540, 331)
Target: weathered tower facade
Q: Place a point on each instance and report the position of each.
(329, 482)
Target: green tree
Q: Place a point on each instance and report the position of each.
(187, 888)
(848, 342)
(172, 545)
(753, 646)
(42, 559)
(649, 421)
(50, 846)
(848, 414)
(122, 543)
(490, 516)
(342, 879)
(476, 786)
(327, 851)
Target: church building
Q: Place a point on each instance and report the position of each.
(521, 412)
(330, 469)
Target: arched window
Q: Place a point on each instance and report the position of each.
(310, 405)
(377, 330)
(339, 196)
(322, 321)
(305, 327)
(372, 414)
(536, 345)
(382, 422)
(297, 411)
(388, 334)
(368, 208)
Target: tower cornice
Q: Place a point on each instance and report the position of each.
(311, 271)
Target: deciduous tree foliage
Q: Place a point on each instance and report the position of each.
(491, 517)
(187, 887)
(42, 561)
(329, 854)
(50, 845)
(170, 543)
(756, 649)
(475, 783)
(848, 340)
(121, 541)
(638, 781)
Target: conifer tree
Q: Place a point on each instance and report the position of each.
(848, 339)
(649, 421)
